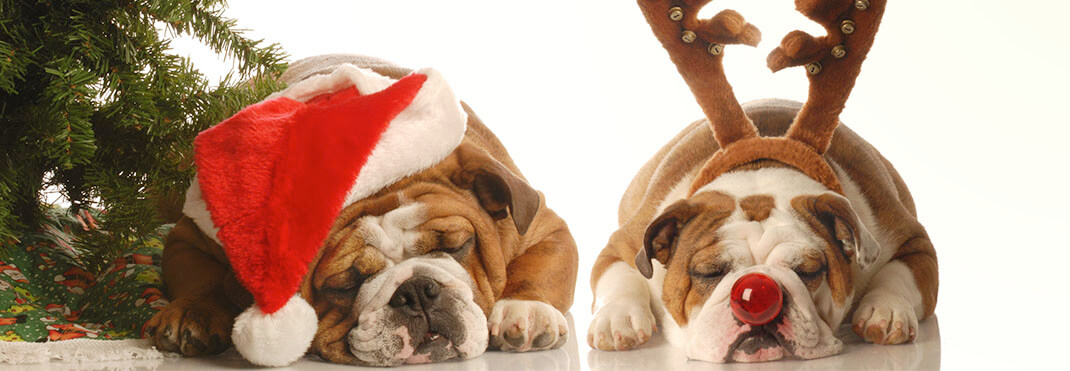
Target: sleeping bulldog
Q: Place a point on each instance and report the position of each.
(753, 234)
(440, 264)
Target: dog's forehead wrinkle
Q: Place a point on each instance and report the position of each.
(407, 216)
(785, 255)
(393, 233)
(781, 227)
(765, 237)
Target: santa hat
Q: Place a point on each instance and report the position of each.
(272, 179)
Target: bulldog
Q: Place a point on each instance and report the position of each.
(439, 265)
(753, 234)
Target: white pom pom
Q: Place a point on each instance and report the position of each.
(275, 339)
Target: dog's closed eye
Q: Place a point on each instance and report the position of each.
(707, 271)
(342, 288)
(808, 274)
(811, 270)
(455, 242)
(456, 249)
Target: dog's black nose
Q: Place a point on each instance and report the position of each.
(416, 295)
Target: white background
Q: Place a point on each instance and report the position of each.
(965, 98)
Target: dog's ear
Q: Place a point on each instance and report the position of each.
(499, 190)
(659, 241)
(832, 216)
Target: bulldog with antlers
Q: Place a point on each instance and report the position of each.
(769, 222)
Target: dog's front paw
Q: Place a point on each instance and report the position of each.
(526, 325)
(885, 319)
(190, 327)
(621, 325)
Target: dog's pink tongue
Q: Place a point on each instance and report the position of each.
(756, 299)
(761, 355)
(425, 357)
(418, 359)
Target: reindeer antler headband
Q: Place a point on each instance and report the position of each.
(833, 62)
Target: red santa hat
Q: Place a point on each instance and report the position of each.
(272, 179)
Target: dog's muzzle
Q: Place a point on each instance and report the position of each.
(761, 313)
(417, 304)
(418, 311)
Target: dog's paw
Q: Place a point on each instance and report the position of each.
(526, 325)
(621, 325)
(885, 319)
(189, 327)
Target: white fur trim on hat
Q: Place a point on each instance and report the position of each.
(197, 210)
(275, 339)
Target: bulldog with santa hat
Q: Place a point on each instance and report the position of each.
(365, 215)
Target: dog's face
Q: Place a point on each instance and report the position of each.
(410, 274)
(773, 221)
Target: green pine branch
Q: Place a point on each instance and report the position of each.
(92, 103)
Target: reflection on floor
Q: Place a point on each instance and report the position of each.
(564, 358)
(923, 354)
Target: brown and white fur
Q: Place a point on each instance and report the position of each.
(864, 254)
(439, 265)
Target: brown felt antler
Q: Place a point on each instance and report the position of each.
(833, 62)
(696, 46)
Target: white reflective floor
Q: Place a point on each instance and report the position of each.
(923, 354)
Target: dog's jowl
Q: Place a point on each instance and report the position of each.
(366, 216)
(755, 233)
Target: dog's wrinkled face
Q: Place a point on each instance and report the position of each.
(408, 275)
(773, 221)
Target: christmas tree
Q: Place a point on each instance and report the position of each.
(93, 105)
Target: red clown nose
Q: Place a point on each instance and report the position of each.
(756, 299)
